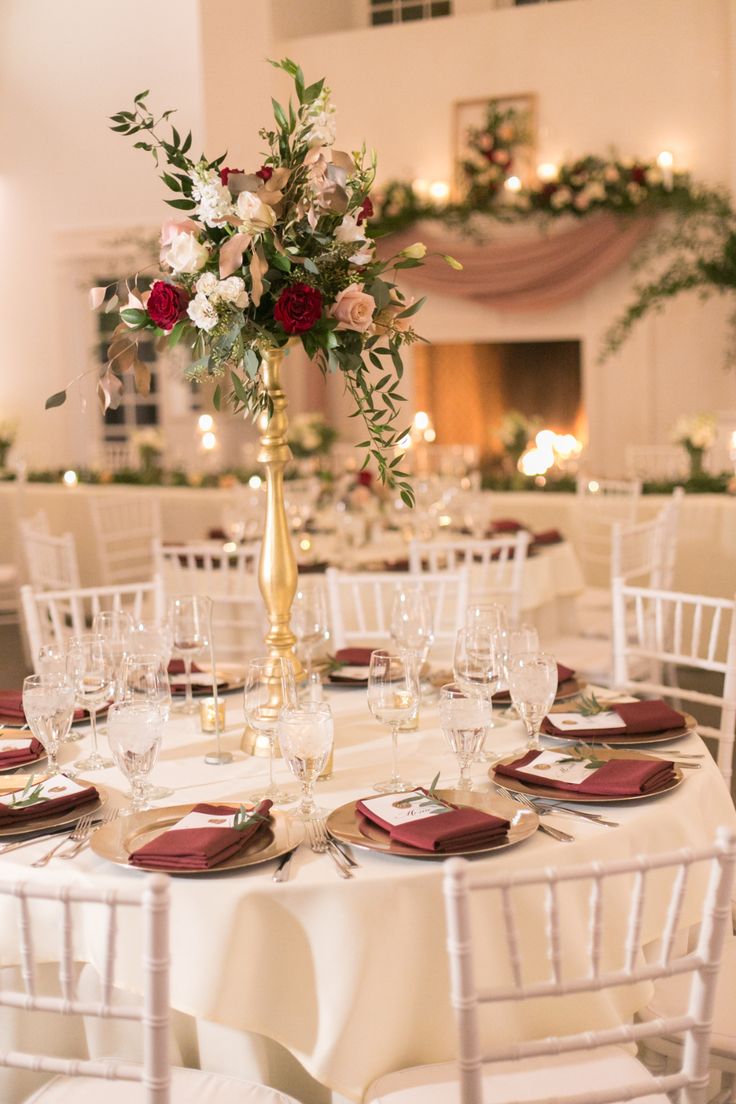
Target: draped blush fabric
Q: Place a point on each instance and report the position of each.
(542, 269)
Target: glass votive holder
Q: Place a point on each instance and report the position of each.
(207, 714)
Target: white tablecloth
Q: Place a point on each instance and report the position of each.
(350, 976)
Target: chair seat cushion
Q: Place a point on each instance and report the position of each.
(188, 1086)
(536, 1078)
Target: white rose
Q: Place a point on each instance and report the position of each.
(202, 313)
(349, 231)
(232, 290)
(257, 216)
(206, 283)
(185, 253)
(364, 255)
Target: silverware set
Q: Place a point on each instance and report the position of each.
(78, 839)
(322, 843)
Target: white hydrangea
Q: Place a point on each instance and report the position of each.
(213, 199)
(202, 312)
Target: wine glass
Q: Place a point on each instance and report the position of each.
(393, 698)
(478, 665)
(151, 636)
(269, 688)
(144, 678)
(48, 703)
(412, 623)
(116, 627)
(305, 738)
(134, 731)
(309, 619)
(464, 722)
(533, 685)
(487, 614)
(189, 617)
(92, 671)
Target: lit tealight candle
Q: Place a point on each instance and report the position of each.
(209, 441)
(70, 478)
(666, 162)
(547, 171)
(512, 184)
(439, 190)
(205, 423)
(207, 714)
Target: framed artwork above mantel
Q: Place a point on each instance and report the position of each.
(493, 138)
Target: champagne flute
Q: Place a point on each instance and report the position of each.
(305, 737)
(189, 616)
(134, 732)
(393, 698)
(92, 672)
(145, 679)
(533, 685)
(309, 619)
(269, 688)
(478, 665)
(464, 720)
(48, 703)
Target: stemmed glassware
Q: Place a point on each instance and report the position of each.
(189, 617)
(305, 737)
(91, 670)
(532, 684)
(393, 698)
(492, 616)
(115, 626)
(51, 663)
(309, 619)
(134, 731)
(152, 636)
(412, 623)
(48, 703)
(478, 665)
(145, 680)
(269, 688)
(464, 721)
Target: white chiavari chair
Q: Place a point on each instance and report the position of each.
(594, 1066)
(360, 605)
(600, 503)
(672, 631)
(51, 561)
(653, 462)
(495, 567)
(51, 616)
(80, 1080)
(124, 525)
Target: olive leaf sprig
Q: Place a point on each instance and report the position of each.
(430, 795)
(245, 817)
(29, 795)
(584, 753)
(590, 707)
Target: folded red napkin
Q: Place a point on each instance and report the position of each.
(70, 796)
(176, 667)
(506, 525)
(11, 706)
(563, 674)
(203, 839)
(641, 718)
(616, 778)
(454, 830)
(548, 536)
(354, 657)
(16, 757)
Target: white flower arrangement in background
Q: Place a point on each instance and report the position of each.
(311, 434)
(695, 431)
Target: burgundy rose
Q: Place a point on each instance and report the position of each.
(638, 174)
(365, 478)
(167, 304)
(549, 189)
(265, 173)
(298, 308)
(365, 212)
(225, 175)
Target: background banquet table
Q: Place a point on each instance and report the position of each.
(348, 976)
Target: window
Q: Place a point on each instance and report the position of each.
(405, 11)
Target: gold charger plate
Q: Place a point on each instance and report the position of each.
(346, 824)
(38, 824)
(631, 741)
(570, 797)
(22, 766)
(116, 841)
(570, 688)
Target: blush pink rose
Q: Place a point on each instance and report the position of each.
(353, 308)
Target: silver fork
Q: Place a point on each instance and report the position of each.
(107, 818)
(550, 809)
(522, 799)
(337, 845)
(84, 825)
(321, 847)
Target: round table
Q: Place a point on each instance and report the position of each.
(348, 976)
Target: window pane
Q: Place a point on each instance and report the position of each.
(442, 7)
(115, 417)
(410, 12)
(146, 414)
(379, 17)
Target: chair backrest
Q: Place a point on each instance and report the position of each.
(124, 526)
(496, 566)
(656, 461)
(151, 898)
(116, 455)
(600, 504)
(51, 561)
(51, 616)
(670, 516)
(360, 603)
(670, 630)
(607, 956)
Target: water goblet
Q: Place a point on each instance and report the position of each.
(91, 669)
(48, 703)
(305, 736)
(269, 688)
(464, 722)
(115, 626)
(189, 616)
(51, 662)
(152, 636)
(393, 698)
(532, 684)
(134, 731)
(309, 619)
(491, 615)
(144, 678)
(478, 666)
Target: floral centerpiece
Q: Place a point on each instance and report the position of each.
(696, 433)
(515, 433)
(149, 444)
(8, 433)
(311, 435)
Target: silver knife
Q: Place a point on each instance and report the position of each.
(281, 873)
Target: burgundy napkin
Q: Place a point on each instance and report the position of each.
(176, 667)
(616, 778)
(12, 818)
(452, 831)
(563, 674)
(506, 525)
(11, 706)
(354, 657)
(16, 757)
(199, 848)
(316, 567)
(548, 536)
(641, 717)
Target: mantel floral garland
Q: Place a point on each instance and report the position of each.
(265, 257)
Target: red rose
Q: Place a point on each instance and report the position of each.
(365, 212)
(365, 478)
(167, 304)
(638, 174)
(225, 174)
(265, 173)
(298, 308)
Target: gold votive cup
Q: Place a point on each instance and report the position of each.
(207, 714)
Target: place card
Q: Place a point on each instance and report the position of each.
(401, 808)
(555, 766)
(10, 744)
(58, 785)
(574, 722)
(195, 821)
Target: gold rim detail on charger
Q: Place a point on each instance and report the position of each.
(570, 797)
(116, 841)
(67, 819)
(346, 824)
